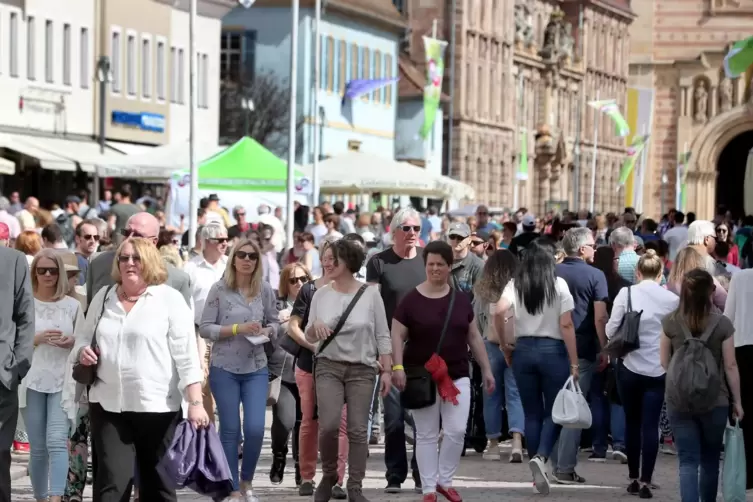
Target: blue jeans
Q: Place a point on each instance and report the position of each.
(47, 426)
(565, 453)
(698, 439)
(230, 391)
(541, 368)
(395, 454)
(496, 401)
(607, 417)
(642, 398)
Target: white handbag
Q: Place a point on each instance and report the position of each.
(570, 408)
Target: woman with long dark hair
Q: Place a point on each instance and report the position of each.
(542, 349)
(698, 436)
(606, 261)
(498, 271)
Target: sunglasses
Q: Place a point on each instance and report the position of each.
(90, 237)
(241, 214)
(408, 228)
(456, 237)
(126, 258)
(48, 270)
(247, 255)
(132, 233)
(294, 280)
(219, 240)
(476, 243)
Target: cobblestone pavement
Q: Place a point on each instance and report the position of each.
(476, 480)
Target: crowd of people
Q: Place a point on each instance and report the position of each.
(406, 314)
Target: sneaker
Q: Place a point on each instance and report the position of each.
(374, 438)
(540, 480)
(356, 495)
(668, 447)
(588, 449)
(306, 488)
(619, 456)
(277, 471)
(393, 487)
(338, 493)
(248, 496)
(449, 493)
(569, 478)
(645, 493)
(430, 497)
(324, 491)
(634, 487)
(19, 447)
(516, 455)
(492, 451)
(597, 457)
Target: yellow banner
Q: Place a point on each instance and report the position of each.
(638, 115)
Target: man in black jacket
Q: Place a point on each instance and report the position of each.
(17, 340)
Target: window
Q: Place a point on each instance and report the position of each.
(330, 63)
(146, 68)
(342, 57)
(31, 48)
(359, 65)
(173, 75)
(67, 54)
(84, 58)
(365, 68)
(238, 55)
(116, 65)
(323, 62)
(181, 79)
(388, 74)
(49, 57)
(353, 74)
(161, 70)
(383, 70)
(348, 63)
(377, 74)
(204, 81)
(131, 65)
(13, 44)
(354, 145)
(369, 68)
(400, 5)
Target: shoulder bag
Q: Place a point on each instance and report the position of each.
(627, 338)
(87, 375)
(286, 342)
(420, 389)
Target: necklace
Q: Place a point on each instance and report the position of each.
(125, 298)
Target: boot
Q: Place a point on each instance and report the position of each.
(355, 494)
(516, 455)
(323, 491)
(277, 471)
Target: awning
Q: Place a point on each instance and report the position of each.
(158, 162)
(130, 148)
(59, 154)
(46, 159)
(7, 166)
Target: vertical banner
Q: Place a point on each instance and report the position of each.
(634, 151)
(433, 91)
(638, 114)
(611, 109)
(682, 169)
(522, 173)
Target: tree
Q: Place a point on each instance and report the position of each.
(268, 122)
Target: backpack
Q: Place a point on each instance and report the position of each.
(694, 381)
(65, 222)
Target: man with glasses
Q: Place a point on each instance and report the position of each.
(467, 268)
(483, 221)
(87, 243)
(479, 243)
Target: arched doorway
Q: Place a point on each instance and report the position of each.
(730, 182)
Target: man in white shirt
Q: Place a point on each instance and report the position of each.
(26, 215)
(204, 271)
(267, 218)
(677, 236)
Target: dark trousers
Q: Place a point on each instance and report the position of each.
(8, 419)
(395, 453)
(744, 356)
(121, 439)
(286, 417)
(642, 398)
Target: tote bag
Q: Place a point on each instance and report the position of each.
(734, 470)
(570, 408)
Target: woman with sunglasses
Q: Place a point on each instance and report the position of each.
(240, 309)
(723, 234)
(286, 413)
(56, 317)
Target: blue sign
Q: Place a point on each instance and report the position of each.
(145, 121)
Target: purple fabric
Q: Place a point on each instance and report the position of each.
(195, 460)
(359, 87)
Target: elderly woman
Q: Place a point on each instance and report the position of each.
(348, 326)
(240, 311)
(147, 363)
(56, 317)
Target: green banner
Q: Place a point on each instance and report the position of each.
(634, 151)
(433, 91)
(682, 172)
(522, 173)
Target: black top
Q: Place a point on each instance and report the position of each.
(301, 310)
(396, 277)
(520, 242)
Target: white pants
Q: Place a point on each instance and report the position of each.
(438, 468)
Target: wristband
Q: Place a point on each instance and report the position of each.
(398, 367)
(235, 329)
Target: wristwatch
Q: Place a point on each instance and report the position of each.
(195, 403)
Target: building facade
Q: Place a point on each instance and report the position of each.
(524, 71)
(678, 51)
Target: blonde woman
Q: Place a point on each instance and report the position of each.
(56, 318)
(238, 306)
(147, 362)
(689, 259)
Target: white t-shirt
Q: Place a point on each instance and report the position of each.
(49, 363)
(545, 324)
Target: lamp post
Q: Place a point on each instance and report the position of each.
(293, 112)
(248, 106)
(104, 76)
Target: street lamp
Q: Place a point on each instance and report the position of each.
(104, 76)
(248, 106)
(664, 180)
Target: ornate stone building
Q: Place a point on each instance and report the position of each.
(678, 50)
(525, 64)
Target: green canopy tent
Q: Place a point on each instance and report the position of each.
(246, 166)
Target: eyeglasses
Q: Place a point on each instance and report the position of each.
(219, 240)
(455, 237)
(126, 258)
(240, 214)
(53, 271)
(125, 232)
(247, 255)
(408, 228)
(477, 243)
(294, 280)
(90, 237)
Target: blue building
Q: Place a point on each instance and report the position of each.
(359, 40)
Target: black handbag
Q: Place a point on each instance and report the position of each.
(420, 389)
(627, 338)
(87, 375)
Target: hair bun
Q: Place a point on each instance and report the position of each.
(650, 253)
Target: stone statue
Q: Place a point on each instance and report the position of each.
(725, 94)
(700, 102)
(567, 42)
(549, 50)
(523, 24)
